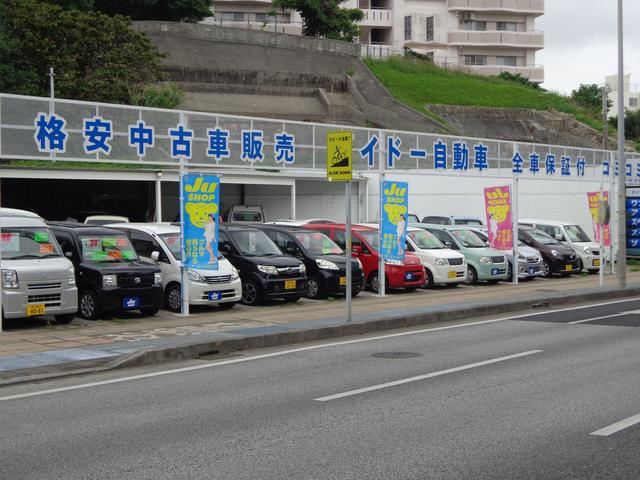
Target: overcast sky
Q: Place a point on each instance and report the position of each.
(581, 42)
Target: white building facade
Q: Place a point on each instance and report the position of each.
(481, 36)
(631, 94)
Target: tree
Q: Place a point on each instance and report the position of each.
(589, 96)
(325, 18)
(631, 125)
(84, 5)
(168, 10)
(95, 56)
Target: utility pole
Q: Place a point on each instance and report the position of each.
(622, 164)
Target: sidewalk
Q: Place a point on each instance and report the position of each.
(31, 348)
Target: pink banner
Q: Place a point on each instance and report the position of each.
(594, 203)
(497, 202)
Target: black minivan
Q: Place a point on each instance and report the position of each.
(324, 259)
(265, 272)
(109, 274)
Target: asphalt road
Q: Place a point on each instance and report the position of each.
(535, 397)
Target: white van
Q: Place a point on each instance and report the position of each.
(36, 278)
(160, 243)
(441, 264)
(572, 235)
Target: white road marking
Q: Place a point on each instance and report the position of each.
(424, 377)
(575, 322)
(618, 426)
(297, 350)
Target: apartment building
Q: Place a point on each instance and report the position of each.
(631, 94)
(481, 36)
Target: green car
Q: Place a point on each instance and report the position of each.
(484, 263)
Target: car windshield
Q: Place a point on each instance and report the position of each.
(372, 238)
(172, 241)
(106, 248)
(317, 243)
(425, 240)
(468, 239)
(576, 234)
(541, 237)
(254, 243)
(467, 221)
(247, 217)
(28, 242)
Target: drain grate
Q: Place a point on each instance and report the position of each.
(396, 355)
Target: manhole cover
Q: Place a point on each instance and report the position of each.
(396, 355)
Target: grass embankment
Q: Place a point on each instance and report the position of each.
(419, 83)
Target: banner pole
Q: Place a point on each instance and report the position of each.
(348, 253)
(184, 277)
(381, 272)
(601, 235)
(515, 268)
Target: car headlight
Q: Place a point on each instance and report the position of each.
(234, 273)
(441, 261)
(554, 253)
(326, 264)
(268, 269)
(10, 279)
(485, 260)
(194, 276)
(110, 280)
(303, 268)
(393, 262)
(587, 250)
(157, 278)
(521, 257)
(71, 276)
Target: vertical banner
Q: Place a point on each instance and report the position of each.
(497, 201)
(395, 205)
(594, 206)
(200, 211)
(632, 209)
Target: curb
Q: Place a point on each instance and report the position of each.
(222, 347)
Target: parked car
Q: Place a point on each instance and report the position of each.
(245, 214)
(572, 235)
(441, 264)
(325, 261)
(36, 278)
(15, 212)
(105, 219)
(264, 270)
(160, 243)
(408, 274)
(529, 260)
(109, 275)
(556, 256)
(300, 221)
(452, 220)
(412, 217)
(484, 263)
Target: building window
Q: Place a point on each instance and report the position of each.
(509, 61)
(232, 17)
(475, 60)
(633, 103)
(507, 26)
(407, 28)
(263, 17)
(430, 56)
(430, 29)
(474, 25)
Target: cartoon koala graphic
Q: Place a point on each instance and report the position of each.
(199, 213)
(499, 212)
(394, 212)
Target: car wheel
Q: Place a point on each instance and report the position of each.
(472, 276)
(250, 293)
(291, 299)
(374, 284)
(429, 277)
(64, 319)
(510, 273)
(173, 298)
(546, 269)
(355, 292)
(227, 305)
(314, 290)
(580, 266)
(88, 305)
(149, 311)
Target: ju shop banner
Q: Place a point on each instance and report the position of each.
(594, 205)
(395, 205)
(497, 202)
(200, 200)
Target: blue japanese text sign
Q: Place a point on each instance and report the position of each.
(395, 205)
(200, 200)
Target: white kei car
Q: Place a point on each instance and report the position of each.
(441, 264)
(160, 243)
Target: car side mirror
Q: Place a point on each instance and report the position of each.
(357, 249)
(155, 256)
(447, 243)
(68, 254)
(559, 237)
(224, 249)
(290, 251)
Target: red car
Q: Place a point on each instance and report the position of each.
(407, 274)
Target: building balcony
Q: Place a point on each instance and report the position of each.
(533, 7)
(376, 17)
(535, 73)
(462, 38)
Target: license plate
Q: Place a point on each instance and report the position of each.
(596, 263)
(408, 276)
(215, 295)
(568, 268)
(531, 270)
(495, 271)
(451, 274)
(343, 281)
(35, 309)
(289, 284)
(131, 302)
